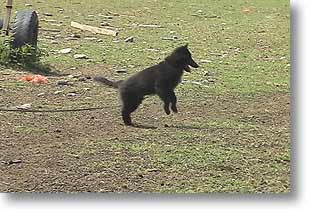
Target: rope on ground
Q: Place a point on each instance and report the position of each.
(52, 110)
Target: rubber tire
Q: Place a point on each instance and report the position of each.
(25, 29)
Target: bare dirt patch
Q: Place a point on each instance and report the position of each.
(223, 143)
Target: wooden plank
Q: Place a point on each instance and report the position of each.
(93, 29)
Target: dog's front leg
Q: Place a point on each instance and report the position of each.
(173, 100)
(165, 97)
(166, 104)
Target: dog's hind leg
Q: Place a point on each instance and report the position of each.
(130, 104)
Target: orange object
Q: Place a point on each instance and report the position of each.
(27, 78)
(38, 79)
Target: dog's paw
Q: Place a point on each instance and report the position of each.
(174, 109)
(166, 108)
(167, 112)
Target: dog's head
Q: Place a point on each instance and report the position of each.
(182, 58)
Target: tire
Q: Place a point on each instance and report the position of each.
(25, 29)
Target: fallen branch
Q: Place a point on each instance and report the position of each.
(93, 29)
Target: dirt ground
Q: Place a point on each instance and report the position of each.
(93, 151)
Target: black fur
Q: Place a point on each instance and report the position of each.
(160, 79)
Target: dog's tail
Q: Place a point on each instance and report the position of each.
(114, 84)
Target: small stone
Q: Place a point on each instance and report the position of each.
(80, 56)
(71, 94)
(58, 92)
(65, 51)
(57, 131)
(205, 61)
(121, 71)
(54, 42)
(47, 14)
(70, 38)
(82, 79)
(75, 35)
(105, 24)
(170, 38)
(153, 50)
(10, 162)
(152, 170)
(50, 20)
(129, 39)
(113, 13)
(90, 38)
(107, 17)
(41, 94)
(166, 125)
(74, 76)
(57, 25)
(63, 82)
(28, 5)
(24, 106)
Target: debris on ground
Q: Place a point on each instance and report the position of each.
(63, 82)
(205, 61)
(90, 38)
(121, 71)
(149, 26)
(173, 38)
(93, 29)
(41, 94)
(24, 106)
(73, 93)
(105, 24)
(58, 92)
(80, 56)
(129, 39)
(152, 170)
(10, 162)
(47, 14)
(65, 51)
(38, 79)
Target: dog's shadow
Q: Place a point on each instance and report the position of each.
(144, 126)
(181, 127)
(186, 127)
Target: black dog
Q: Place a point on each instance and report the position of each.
(160, 79)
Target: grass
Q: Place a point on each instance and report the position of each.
(249, 50)
(232, 133)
